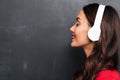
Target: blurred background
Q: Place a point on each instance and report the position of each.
(35, 38)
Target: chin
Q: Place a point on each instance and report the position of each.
(73, 45)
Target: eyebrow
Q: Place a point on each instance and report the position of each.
(77, 19)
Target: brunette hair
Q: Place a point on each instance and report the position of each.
(105, 52)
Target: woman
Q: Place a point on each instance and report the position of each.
(101, 52)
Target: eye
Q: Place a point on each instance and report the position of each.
(77, 24)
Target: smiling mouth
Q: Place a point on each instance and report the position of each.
(73, 36)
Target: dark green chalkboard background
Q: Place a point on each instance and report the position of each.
(35, 38)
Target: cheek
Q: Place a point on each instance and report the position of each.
(82, 37)
(81, 33)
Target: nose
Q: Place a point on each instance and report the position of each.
(72, 29)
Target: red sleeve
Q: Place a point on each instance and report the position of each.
(108, 75)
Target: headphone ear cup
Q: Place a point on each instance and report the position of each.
(94, 33)
(90, 34)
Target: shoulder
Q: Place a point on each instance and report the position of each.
(108, 75)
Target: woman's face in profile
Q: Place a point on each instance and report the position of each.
(80, 31)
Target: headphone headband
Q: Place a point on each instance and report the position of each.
(99, 15)
(95, 31)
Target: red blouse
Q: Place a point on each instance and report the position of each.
(108, 75)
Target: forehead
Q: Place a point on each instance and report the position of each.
(81, 15)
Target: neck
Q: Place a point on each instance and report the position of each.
(88, 49)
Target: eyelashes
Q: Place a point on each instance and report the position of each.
(76, 24)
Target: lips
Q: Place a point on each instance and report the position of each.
(73, 36)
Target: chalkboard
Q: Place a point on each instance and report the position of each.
(35, 39)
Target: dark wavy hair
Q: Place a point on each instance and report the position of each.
(105, 52)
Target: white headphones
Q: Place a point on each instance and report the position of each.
(95, 31)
